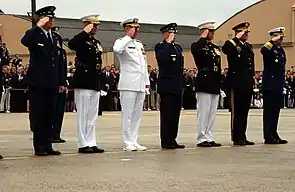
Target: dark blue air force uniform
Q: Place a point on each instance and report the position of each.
(240, 80)
(44, 76)
(170, 84)
(60, 98)
(273, 81)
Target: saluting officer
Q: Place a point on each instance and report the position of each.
(60, 98)
(133, 82)
(87, 83)
(207, 58)
(44, 56)
(170, 84)
(273, 81)
(240, 57)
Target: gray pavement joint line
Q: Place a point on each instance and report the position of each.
(119, 152)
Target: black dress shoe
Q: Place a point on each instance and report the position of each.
(204, 144)
(60, 140)
(239, 143)
(248, 142)
(97, 150)
(275, 141)
(1, 157)
(178, 146)
(53, 152)
(41, 153)
(168, 146)
(213, 144)
(282, 141)
(85, 150)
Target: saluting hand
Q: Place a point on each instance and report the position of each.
(240, 34)
(42, 21)
(204, 34)
(88, 28)
(275, 38)
(131, 32)
(170, 38)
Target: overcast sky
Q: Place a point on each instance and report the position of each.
(184, 12)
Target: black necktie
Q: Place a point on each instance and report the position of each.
(49, 37)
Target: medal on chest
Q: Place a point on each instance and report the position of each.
(99, 47)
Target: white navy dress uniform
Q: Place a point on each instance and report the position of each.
(132, 84)
(208, 61)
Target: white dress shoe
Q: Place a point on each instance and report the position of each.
(130, 148)
(140, 147)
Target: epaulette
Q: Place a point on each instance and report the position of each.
(268, 45)
(138, 40)
(233, 42)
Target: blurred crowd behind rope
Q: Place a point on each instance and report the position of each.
(14, 93)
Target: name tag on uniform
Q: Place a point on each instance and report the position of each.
(131, 47)
(173, 57)
(42, 45)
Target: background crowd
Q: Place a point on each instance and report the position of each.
(14, 95)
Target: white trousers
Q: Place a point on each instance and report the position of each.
(87, 103)
(132, 104)
(206, 112)
(5, 100)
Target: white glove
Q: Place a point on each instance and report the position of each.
(223, 95)
(103, 93)
(147, 91)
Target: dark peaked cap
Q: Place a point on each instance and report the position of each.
(242, 27)
(171, 28)
(46, 11)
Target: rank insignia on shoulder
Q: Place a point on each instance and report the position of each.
(233, 42)
(268, 45)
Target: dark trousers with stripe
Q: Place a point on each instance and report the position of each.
(272, 103)
(240, 105)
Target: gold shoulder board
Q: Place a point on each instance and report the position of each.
(268, 45)
(233, 42)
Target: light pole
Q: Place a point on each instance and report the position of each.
(33, 7)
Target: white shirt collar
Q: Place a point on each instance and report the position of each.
(46, 32)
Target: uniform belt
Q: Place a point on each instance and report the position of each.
(209, 69)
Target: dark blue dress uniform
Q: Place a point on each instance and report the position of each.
(88, 66)
(60, 98)
(170, 84)
(208, 62)
(273, 81)
(240, 57)
(44, 76)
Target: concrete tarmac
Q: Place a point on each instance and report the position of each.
(265, 168)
